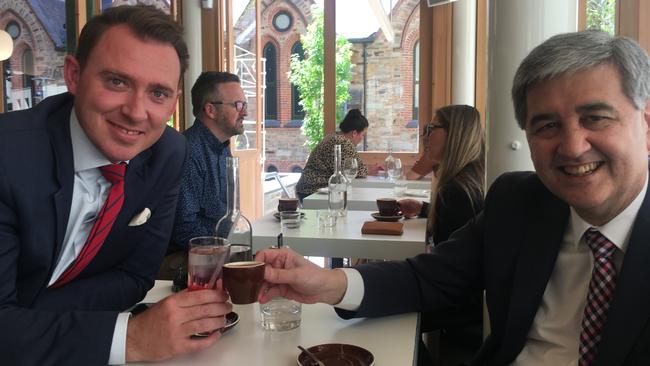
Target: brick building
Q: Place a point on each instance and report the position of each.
(35, 68)
(382, 83)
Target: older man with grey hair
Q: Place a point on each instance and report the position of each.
(562, 253)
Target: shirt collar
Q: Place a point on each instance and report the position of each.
(618, 229)
(86, 155)
(209, 137)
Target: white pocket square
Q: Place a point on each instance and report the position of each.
(140, 218)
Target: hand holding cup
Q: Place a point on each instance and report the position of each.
(243, 281)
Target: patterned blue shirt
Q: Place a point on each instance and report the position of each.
(203, 193)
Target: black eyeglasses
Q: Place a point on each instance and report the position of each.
(429, 128)
(239, 105)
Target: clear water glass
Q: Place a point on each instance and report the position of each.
(289, 220)
(394, 169)
(326, 218)
(280, 314)
(350, 168)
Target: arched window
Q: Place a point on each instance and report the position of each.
(271, 93)
(296, 109)
(416, 80)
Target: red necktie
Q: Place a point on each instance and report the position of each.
(601, 289)
(113, 173)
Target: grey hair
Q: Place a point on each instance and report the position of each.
(570, 53)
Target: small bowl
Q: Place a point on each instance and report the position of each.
(334, 354)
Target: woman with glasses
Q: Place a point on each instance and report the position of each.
(320, 165)
(455, 143)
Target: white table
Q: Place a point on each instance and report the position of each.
(362, 199)
(392, 340)
(344, 240)
(381, 182)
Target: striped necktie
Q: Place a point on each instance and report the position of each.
(113, 173)
(601, 290)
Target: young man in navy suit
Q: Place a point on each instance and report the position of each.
(562, 253)
(63, 290)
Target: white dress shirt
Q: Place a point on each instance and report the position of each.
(554, 336)
(89, 192)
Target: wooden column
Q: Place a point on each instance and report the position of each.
(633, 20)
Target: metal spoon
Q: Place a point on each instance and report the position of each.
(311, 355)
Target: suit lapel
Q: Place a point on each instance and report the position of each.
(630, 308)
(546, 220)
(59, 130)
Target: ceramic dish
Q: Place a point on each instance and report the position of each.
(379, 217)
(336, 354)
(324, 190)
(277, 215)
(416, 193)
(231, 320)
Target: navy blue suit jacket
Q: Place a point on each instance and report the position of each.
(73, 324)
(509, 250)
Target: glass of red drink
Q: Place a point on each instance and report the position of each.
(206, 257)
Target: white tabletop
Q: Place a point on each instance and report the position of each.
(381, 182)
(344, 240)
(364, 199)
(392, 340)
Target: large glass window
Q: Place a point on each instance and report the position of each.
(384, 80)
(284, 25)
(297, 111)
(601, 15)
(245, 48)
(35, 69)
(271, 91)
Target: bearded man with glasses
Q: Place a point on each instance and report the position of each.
(219, 105)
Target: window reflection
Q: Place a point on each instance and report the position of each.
(35, 69)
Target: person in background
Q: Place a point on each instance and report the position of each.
(320, 164)
(562, 253)
(88, 187)
(455, 143)
(219, 105)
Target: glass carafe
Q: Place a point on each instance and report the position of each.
(338, 186)
(234, 226)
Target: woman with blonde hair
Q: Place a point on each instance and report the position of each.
(455, 143)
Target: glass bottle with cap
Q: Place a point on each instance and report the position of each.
(338, 186)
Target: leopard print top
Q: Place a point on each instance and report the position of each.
(320, 164)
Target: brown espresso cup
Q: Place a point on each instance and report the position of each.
(388, 206)
(287, 204)
(243, 281)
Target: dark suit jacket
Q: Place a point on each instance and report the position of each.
(510, 251)
(73, 324)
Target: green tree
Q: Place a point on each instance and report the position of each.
(601, 15)
(307, 75)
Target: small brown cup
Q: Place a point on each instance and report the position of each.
(287, 204)
(388, 206)
(243, 281)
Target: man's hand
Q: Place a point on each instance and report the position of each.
(410, 207)
(164, 330)
(290, 275)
